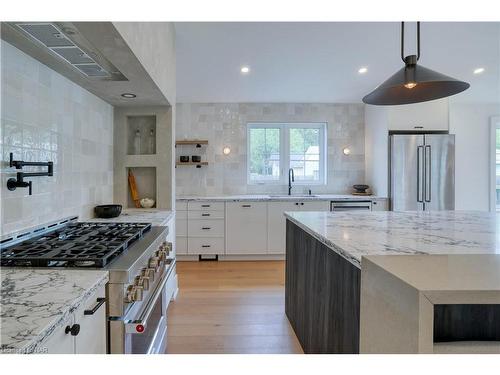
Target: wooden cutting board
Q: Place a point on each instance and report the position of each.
(133, 189)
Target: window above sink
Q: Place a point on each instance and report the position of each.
(274, 148)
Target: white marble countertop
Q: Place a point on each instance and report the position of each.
(157, 217)
(279, 197)
(34, 302)
(357, 234)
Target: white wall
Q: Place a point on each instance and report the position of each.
(376, 149)
(46, 117)
(471, 124)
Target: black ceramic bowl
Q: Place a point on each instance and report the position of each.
(184, 159)
(360, 188)
(196, 158)
(107, 211)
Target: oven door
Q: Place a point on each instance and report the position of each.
(145, 332)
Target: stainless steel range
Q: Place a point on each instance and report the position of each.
(141, 272)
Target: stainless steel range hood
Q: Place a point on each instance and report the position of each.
(63, 40)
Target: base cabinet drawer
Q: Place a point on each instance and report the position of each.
(206, 206)
(206, 228)
(181, 245)
(206, 214)
(205, 245)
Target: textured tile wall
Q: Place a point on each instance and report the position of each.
(44, 116)
(225, 124)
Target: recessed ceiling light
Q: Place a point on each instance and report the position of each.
(478, 70)
(245, 69)
(362, 70)
(129, 95)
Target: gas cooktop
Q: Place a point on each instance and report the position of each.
(74, 245)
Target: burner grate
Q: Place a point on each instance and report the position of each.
(75, 245)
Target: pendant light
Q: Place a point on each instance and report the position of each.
(414, 83)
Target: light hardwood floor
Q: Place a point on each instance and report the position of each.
(230, 307)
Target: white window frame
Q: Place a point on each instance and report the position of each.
(284, 128)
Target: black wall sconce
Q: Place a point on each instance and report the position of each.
(14, 183)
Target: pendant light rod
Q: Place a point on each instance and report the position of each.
(403, 41)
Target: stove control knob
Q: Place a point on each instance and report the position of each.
(129, 294)
(142, 281)
(137, 296)
(162, 255)
(154, 262)
(149, 273)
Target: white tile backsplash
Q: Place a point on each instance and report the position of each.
(44, 116)
(225, 124)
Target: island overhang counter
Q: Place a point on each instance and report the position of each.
(324, 254)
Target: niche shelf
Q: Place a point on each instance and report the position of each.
(198, 165)
(145, 180)
(145, 124)
(192, 142)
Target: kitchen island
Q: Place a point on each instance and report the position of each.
(324, 254)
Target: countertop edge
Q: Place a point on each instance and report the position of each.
(37, 342)
(265, 198)
(325, 241)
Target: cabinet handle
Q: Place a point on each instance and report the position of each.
(205, 245)
(205, 205)
(74, 329)
(302, 204)
(296, 203)
(100, 302)
(206, 228)
(246, 205)
(205, 214)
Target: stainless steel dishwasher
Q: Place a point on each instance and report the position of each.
(350, 206)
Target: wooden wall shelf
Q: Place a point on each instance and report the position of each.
(192, 142)
(192, 163)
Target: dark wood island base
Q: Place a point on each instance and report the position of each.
(322, 291)
(322, 301)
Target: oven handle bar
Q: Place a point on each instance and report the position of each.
(139, 325)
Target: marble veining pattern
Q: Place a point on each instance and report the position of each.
(34, 302)
(357, 234)
(153, 216)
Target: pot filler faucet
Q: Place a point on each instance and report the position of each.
(291, 178)
(14, 183)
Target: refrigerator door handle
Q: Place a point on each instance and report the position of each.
(427, 176)
(420, 174)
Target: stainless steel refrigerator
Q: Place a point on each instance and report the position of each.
(422, 172)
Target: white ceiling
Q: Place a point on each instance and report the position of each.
(319, 62)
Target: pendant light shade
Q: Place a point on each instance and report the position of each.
(414, 83)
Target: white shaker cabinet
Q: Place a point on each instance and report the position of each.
(432, 115)
(246, 228)
(84, 331)
(276, 236)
